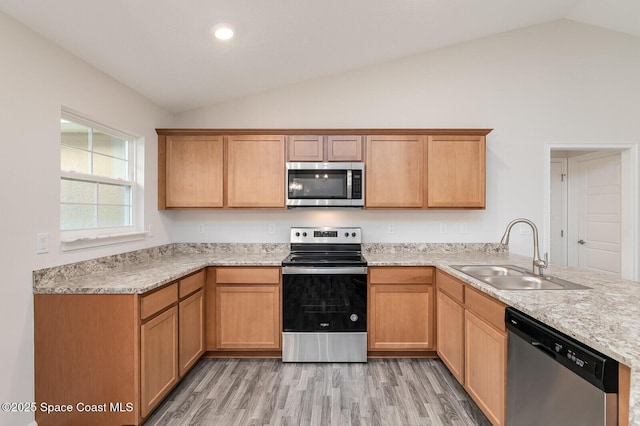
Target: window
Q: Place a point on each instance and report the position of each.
(97, 180)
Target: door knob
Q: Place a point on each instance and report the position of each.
(582, 242)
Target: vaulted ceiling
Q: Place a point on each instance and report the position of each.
(164, 49)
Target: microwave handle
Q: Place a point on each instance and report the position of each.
(349, 185)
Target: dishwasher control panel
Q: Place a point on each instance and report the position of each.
(588, 363)
(577, 357)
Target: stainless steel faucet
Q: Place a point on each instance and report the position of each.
(538, 264)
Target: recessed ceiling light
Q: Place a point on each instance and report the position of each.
(222, 31)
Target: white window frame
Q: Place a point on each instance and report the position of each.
(93, 237)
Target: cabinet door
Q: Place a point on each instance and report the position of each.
(344, 148)
(194, 171)
(401, 316)
(485, 367)
(159, 358)
(210, 310)
(456, 171)
(394, 171)
(248, 317)
(255, 171)
(304, 148)
(191, 311)
(450, 334)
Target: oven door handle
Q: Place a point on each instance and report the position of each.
(317, 270)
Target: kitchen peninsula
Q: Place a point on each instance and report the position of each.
(576, 313)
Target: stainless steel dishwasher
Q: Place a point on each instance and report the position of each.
(552, 379)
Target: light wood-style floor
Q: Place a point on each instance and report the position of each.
(381, 392)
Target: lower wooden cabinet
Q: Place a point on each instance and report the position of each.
(78, 337)
(450, 334)
(248, 317)
(123, 350)
(485, 367)
(472, 343)
(247, 309)
(158, 359)
(401, 309)
(192, 336)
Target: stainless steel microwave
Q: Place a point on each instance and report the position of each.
(325, 185)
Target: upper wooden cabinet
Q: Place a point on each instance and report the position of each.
(430, 171)
(456, 171)
(244, 168)
(194, 170)
(217, 171)
(394, 171)
(305, 148)
(324, 148)
(344, 148)
(255, 171)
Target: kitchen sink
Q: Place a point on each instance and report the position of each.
(489, 270)
(509, 277)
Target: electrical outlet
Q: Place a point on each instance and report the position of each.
(200, 229)
(42, 245)
(524, 229)
(392, 228)
(272, 228)
(443, 228)
(464, 228)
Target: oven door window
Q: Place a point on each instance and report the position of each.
(317, 184)
(324, 303)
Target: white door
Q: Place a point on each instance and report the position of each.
(596, 192)
(558, 237)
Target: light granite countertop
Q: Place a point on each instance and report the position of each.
(138, 278)
(606, 317)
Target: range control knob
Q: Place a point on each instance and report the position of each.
(353, 317)
(353, 234)
(297, 234)
(346, 234)
(304, 234)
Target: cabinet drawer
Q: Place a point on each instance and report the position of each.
(486, 307)
(248, 275)
(192, 283)
(401, 275)
(450, 285)
(153, 303)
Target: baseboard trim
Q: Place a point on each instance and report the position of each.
(278, 354)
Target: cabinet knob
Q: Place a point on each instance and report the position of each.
(583, 242)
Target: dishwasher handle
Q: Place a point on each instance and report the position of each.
(543, 348)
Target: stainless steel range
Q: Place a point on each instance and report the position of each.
(324, 297)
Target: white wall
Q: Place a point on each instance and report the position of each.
(37, 78)
(557, 82)
(551, 83)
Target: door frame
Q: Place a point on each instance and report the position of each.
(630, 179)
(565, 209)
